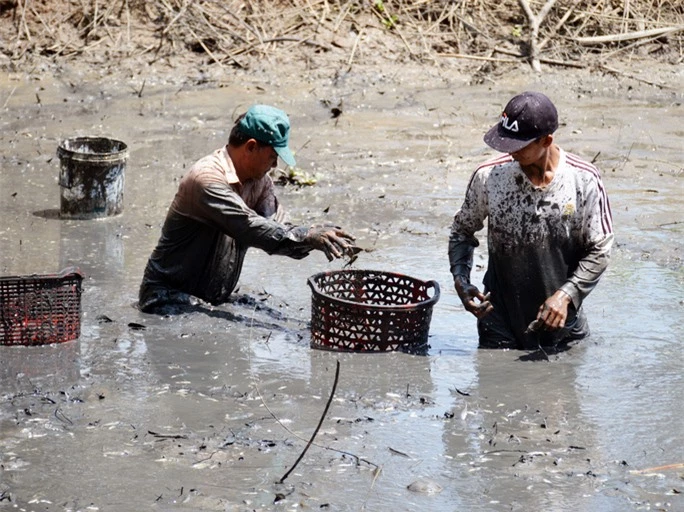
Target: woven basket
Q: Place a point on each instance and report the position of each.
(40, 309)
(371, 311)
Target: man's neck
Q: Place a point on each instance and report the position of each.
(541, 172)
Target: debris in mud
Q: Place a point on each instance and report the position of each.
(294, 176)
(397, 452)
(425, 486)
(462, 393)
(167, 436)
(320, 422)
(335, 111)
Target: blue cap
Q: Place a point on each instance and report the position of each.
(271, 126)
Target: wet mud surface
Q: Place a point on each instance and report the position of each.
(208, 409)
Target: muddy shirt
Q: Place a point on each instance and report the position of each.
(539, 239)
(212, 221)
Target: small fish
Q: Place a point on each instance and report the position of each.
(534, 326)
(352, 253)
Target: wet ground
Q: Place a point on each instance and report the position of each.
(209, 410)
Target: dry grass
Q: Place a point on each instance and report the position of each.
(234, 32)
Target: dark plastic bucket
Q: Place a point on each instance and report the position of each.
(91, 177)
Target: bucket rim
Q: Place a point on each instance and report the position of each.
(63, 147)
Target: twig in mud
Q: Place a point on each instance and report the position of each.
(620, 73)
(175, 18)
(23, 23)
(542, 59)
(624, 162)
(397, 452)
(204, 47)
(668, 224)
(666, 467)
(9, 96)
(298, 41)
(395, 27)
(320, 422)
(558, 26)
(167, 436)
(142, 87)
(616, 38)
(477, 57)
(258, 391)
(489, 452)
(640, 42)
(353, 51)
(62, 417)
(341, 16)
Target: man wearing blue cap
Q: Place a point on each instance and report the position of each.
(225, 204)
(549, 233)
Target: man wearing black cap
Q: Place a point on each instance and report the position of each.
(549, 233)
(225, 204)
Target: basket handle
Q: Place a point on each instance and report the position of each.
(311, 284)
(69, 271)
(434, 284)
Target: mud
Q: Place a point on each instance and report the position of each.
(207, 410)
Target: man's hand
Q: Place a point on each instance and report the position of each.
(332, 240)
(469, 294)
(553, 313)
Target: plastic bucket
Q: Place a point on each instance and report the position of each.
(91, 177)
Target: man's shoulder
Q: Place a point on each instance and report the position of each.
(494, 169)
(584, 174)
(497, 161)
(581, 166)
(212, 168)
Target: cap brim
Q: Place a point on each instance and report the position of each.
(495, 139)
(286, 155)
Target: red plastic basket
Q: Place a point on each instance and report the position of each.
(40, 309)
(371, 311)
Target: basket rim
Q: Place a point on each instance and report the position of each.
(379, 307)
(63, 274)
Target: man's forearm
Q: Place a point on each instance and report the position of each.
(461, 252)
(589, 271)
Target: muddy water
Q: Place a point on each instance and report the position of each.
(208, 410)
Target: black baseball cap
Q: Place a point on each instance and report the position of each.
(527, 117)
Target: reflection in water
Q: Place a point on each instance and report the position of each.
(632, 384)
(49, 367)
(96, 246)
(513, 439)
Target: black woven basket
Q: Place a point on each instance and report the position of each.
(371, 311)
(40, 309)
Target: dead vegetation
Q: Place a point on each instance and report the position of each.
(486, 34)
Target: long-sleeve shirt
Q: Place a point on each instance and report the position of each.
(212, 221)
(540, 239)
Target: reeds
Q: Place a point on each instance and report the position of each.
(232, 32)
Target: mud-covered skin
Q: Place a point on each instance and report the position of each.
(540, 240)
